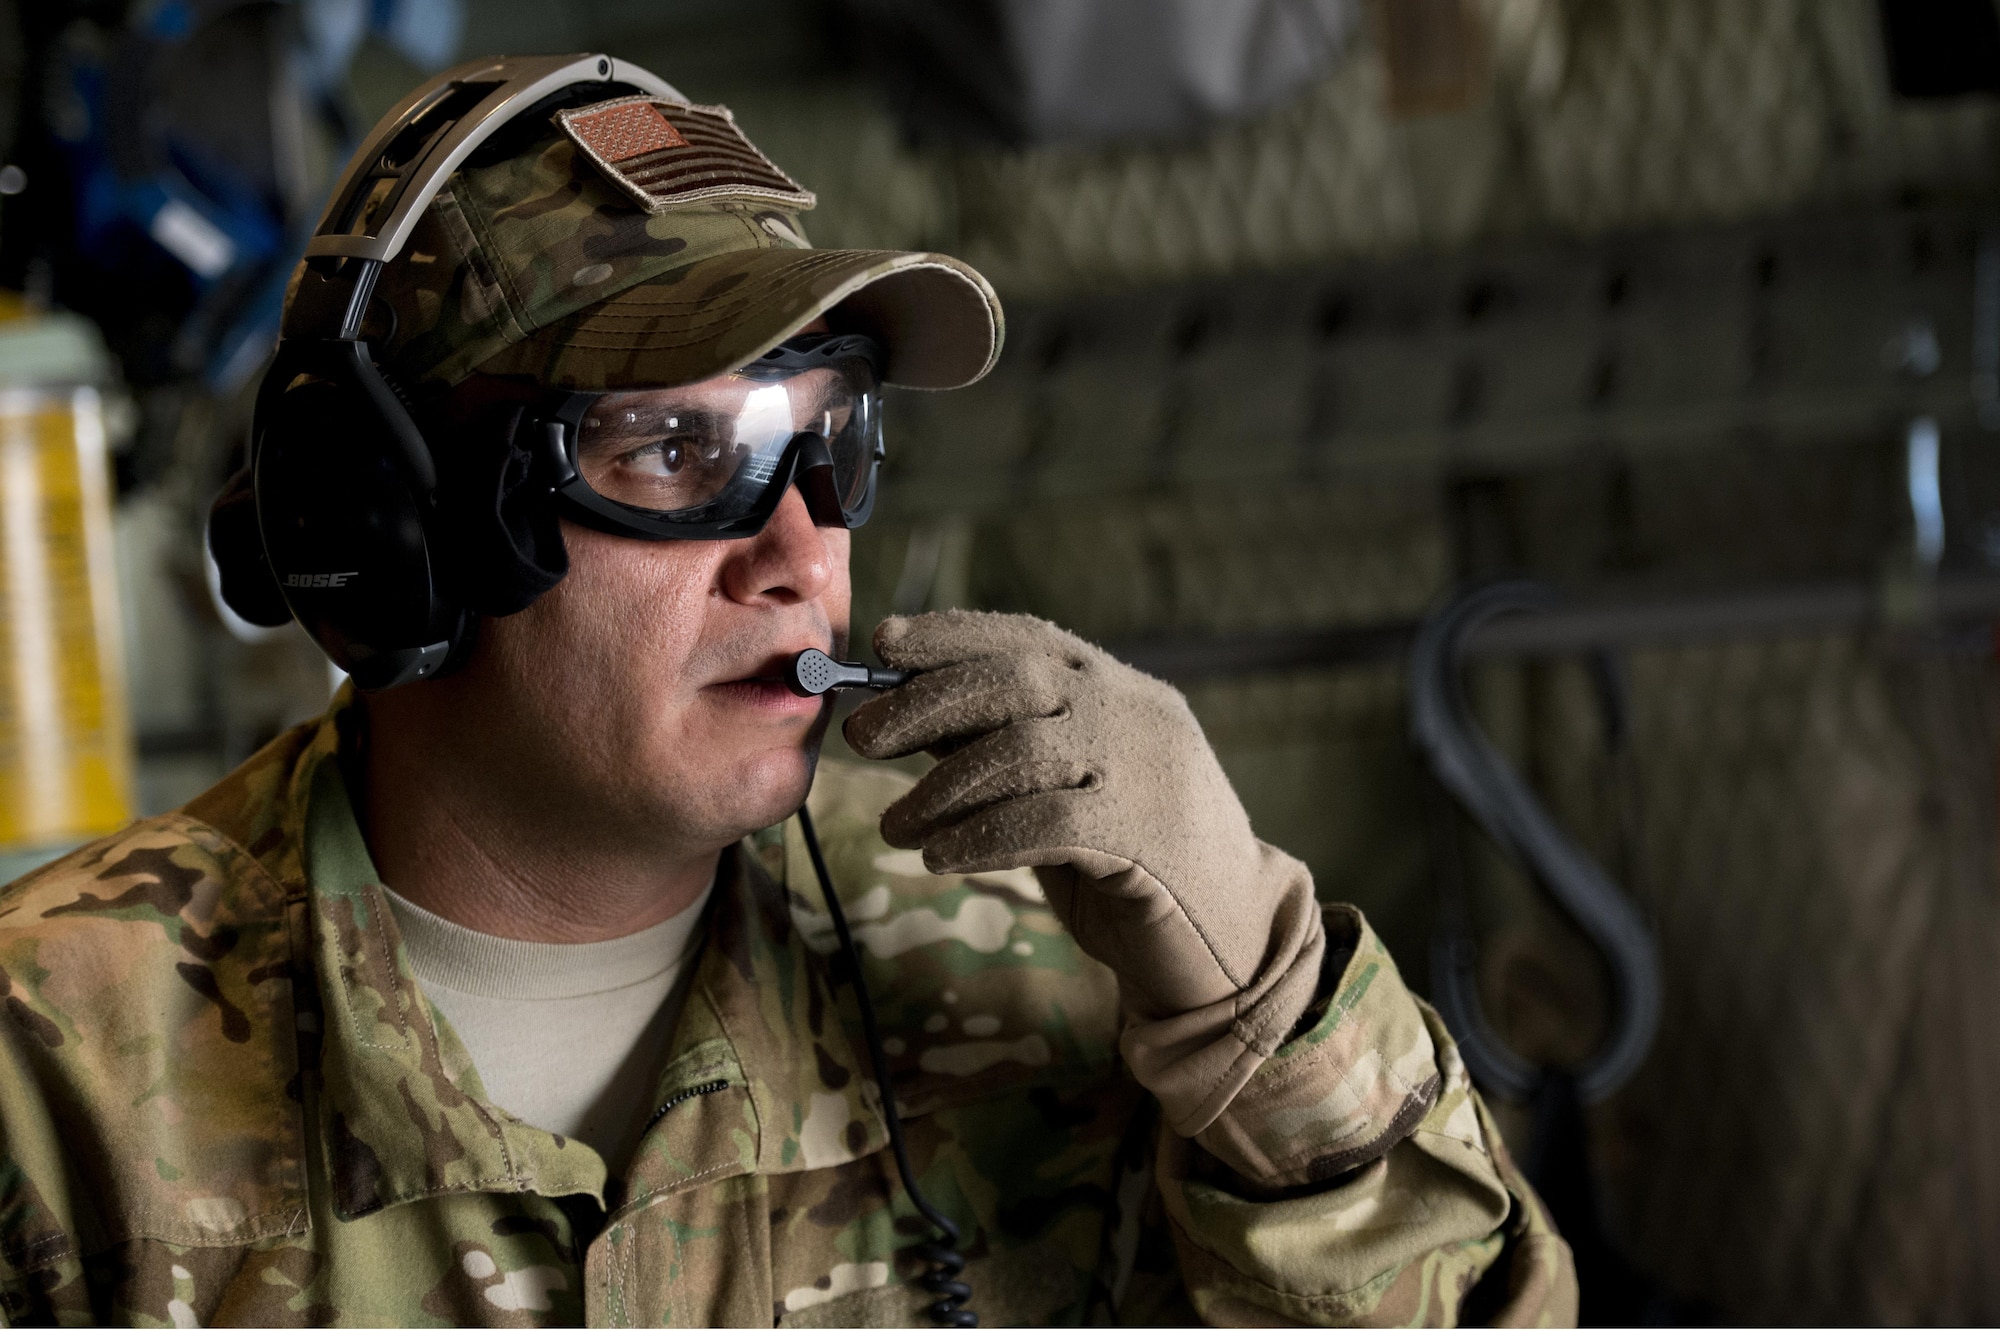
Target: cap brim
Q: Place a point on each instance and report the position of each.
(938, 320)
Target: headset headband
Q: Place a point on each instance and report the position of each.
(343, 533)
(411, 153)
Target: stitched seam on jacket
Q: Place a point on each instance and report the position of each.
(1417, 1102)
(376, 904)
(1401, 1127)
(1231, 1275)
(297, 1221)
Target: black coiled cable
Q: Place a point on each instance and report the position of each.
(946, 1261)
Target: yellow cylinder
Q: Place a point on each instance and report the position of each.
(65, 735)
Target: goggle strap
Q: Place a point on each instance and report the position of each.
(812, 351)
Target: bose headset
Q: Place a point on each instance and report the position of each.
(338, 519)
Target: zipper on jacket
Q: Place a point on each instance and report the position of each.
(705, 1088)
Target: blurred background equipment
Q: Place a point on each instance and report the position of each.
(160, 164)
(1094, 71)
(1468, 766)
(1484, 785)
(65, 743)
(1321, 312)
(1941, 48)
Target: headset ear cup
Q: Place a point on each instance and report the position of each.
(342, 508)
(237, 546)
(507, 545)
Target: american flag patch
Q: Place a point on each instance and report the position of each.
(668, 154)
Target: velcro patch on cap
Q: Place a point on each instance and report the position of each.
(671, 154)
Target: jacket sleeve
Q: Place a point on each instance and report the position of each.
(1357, 1179)
(41, 1279)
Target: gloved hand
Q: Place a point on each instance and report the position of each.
(1056, 756)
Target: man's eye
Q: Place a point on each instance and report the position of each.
(662, 455)
(668, 456)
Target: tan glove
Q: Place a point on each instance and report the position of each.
(1056, 756)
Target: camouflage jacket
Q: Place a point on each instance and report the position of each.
(224, 1099)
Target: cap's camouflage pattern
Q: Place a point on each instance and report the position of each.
(539, 264)
(224, 1099)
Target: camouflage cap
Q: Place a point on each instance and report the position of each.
(566, 262)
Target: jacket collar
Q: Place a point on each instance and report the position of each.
(761, 1075)
(767, 1018)
(402, 1112)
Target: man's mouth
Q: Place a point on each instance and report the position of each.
(763, 693)
(764, 689)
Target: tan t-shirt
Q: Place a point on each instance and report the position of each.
(566, 1036)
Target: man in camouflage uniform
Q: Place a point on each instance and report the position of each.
(1150, 1078)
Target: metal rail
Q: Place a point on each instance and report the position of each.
(1768, 613)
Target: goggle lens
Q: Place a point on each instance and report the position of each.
(710, 451)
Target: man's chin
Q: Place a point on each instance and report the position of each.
(766, 788)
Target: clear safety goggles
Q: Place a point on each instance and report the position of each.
(713, 460)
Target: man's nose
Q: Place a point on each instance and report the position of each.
(788, 562)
